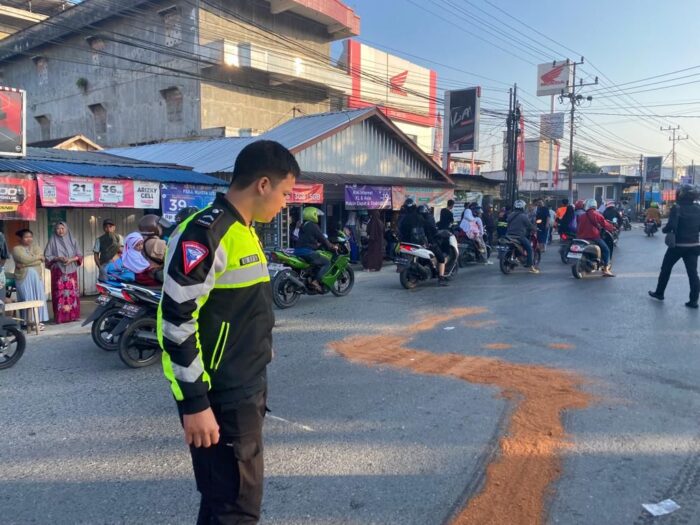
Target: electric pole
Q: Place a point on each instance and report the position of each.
(642, 186)
(575, 100)
(512, 131)
(674, 139)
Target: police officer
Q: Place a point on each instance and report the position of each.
(215, 327)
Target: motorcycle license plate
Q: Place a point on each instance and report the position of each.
(573, 256)
(102, 300)
(130, 310)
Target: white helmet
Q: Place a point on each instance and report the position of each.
(590, 203)
(519, 204)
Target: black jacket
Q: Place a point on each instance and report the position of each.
(446, 219)
(684, 221)
(412, 228)
(311, 237)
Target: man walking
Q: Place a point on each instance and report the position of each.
(446, 216)
(107, 246)
(215, 327)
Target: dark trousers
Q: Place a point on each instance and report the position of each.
(229, 474)
(320, 263)
(690, 259)
(527, 245)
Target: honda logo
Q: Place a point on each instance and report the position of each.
(397, 83)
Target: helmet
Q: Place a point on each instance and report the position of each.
(590, 204)
(579, 204)
(654, 205)
(184, 213)
(423, 209)
(519, 204)
(150, 225)
(312, 214)
(409, 203)
(687, 193)
(610, 204)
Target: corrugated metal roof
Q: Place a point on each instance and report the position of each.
(219, 155)
(157, 174)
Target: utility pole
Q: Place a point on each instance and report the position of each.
(642, 186)
(575, 100)
(674, 139)
(512, 130)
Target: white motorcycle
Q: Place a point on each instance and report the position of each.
(417, 263)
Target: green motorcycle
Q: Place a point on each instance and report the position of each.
(294, 279)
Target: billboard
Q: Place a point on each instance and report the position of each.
(361, 197)
(462, 120)
(12, 122)
(552, 126)
(653, 169)
(306, 194)
(432, 197)
(17, 198)
(89, 192)
(552, 77)
(404, 91)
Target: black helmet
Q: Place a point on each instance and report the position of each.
(687, 193)
(423, 209)
(150, 225)
(184, 213)
(409, 203)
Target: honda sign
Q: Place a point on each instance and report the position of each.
(462, 120)
(553, 77)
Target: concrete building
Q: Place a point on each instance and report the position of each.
(135, 72)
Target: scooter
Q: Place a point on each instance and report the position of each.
(107, 315)
(469, 250)
(417, 263)
(626, 223)
(512, 253)
(587, 256)
(650, 227)
(137, 332)
(12, 340)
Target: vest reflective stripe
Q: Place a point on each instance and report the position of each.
(188, 374)
(243, 276)
(178, 334)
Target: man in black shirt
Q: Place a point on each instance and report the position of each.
(446, 216)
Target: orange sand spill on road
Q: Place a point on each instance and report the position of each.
(479, 324)
(498, 346)
(561, 346)
(529, 462)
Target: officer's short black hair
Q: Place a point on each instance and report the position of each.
(263, 158)
(450, 203)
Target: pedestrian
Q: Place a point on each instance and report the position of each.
(446, 216)
(683, 239)
(542, 223)
(215, 327)
(29, 273)
(63, 256)
(550, 225)
(489, 223)
(107, 247)
(373, 256)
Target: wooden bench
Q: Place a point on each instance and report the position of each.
(32, 306)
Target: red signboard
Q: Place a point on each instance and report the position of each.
(12, 120)
(306, 194)
(17, 199)
(89, 192)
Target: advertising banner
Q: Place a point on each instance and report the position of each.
(306, 194)
(89, 192)
(462, 120)
(653, 169)
(17, 199)
(360, 197)
(552, 126)
(552, 77)
(432, 197)
(12, 122)
(174, 197)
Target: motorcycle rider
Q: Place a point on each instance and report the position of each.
(520, 227)
(311, 238)
(431, 234)
(590, 225)
(611, 212)
(653, 214)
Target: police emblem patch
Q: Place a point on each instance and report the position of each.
(193, 253)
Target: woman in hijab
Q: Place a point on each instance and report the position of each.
(29, 272)
(63, 256)
(374, 255)
(134, 260)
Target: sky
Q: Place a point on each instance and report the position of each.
(474, 42)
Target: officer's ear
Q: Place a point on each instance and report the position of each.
(263, 185)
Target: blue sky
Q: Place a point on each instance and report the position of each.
(626, 40)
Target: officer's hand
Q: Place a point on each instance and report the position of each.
(201, 429)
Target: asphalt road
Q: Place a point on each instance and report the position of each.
(85, 440)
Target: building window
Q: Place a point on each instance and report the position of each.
(42, 70)
(97, 45)
(609, 192)
(45, 126)
(173, 103)
(99, 114)
(172, 23)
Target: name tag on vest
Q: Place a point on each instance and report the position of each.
(250, 259)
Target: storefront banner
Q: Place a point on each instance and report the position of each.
(367, 197)
(89, 192)
(431, 197)
(174, 197)
(17, 199)
(306, 194)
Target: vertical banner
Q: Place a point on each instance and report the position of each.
(12, 122)
(17, 198)
(462, 120)
(521, 148)
(653, 169)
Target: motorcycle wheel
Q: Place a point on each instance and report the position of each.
(408, 280)
(134, 350)
(576, 270)
(505, 266)
(102, 326)
(14, 337)
(344, 283)
(283, 294)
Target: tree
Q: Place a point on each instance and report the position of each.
(582, 164)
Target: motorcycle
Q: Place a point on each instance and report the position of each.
(418, 263)
(468, 248)
(616, 231)
(137, 332)
(12, 340)
(512, 253)
(107, 315)
(626, 223)
(650, 227)
(293, 275)
(587, 256)
(565, 240)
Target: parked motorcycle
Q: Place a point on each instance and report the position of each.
(12, 340)
(650, 227)
(138, 343)
(294, 278)
(512, 253)
(107, 315)
(418, 263)
(587, 256)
